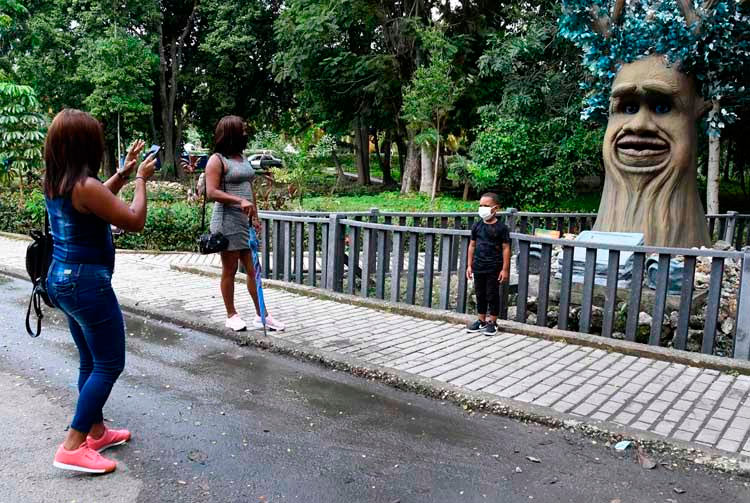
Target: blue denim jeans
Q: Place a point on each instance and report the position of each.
(84, 293)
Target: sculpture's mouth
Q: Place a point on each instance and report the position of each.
(641, 153)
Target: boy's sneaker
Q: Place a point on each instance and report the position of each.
(84, 459)
(475, 327)
(489, 329)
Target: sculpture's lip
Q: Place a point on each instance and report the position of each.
(641, 153)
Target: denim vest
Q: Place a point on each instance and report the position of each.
(79, 238)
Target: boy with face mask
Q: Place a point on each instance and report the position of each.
(489, 263)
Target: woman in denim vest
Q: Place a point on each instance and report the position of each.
(81, 210)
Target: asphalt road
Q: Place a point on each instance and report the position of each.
(216, 422)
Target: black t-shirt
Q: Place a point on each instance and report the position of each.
(488, 252)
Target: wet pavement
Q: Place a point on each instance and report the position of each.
(213, 421)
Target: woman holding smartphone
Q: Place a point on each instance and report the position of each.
(229, 178)
(81, 210)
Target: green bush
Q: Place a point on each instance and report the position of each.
(169, 227)
(510, 157)
(578, 146)
(168, 192)
(19, 217)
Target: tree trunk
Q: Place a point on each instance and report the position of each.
(739, 167)
(410, 179)
(402, 150)
(340, 176)
(22, 198)
(727, 156)
(169, 68)
(714, 167)
(152, 122)
(467, 186)
(362, 152)
(119, 142)
(179, 172)
(107, 160)
(437, 168)
(387, 154)
(425, 185)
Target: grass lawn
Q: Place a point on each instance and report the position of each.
(387, 201)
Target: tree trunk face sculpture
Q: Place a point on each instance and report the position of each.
(649, 156)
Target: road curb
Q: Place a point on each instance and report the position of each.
(699, 360)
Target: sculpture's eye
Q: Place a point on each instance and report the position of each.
(630, 108)
(662, 108)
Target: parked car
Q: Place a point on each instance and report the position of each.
(263, 161)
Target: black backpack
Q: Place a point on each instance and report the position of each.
(38, 260)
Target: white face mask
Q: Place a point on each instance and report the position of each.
(485, 213)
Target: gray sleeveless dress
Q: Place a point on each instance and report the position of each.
(229, 220)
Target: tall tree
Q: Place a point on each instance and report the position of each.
(431, 96)
(231, 72)
(120, 70)
(177, 44)
(331, 51)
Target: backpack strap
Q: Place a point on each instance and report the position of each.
(36, 301)
(36, 295)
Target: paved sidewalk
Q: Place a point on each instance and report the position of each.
(670, 400)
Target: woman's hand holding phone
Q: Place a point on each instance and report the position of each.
(131, 159)
(147, 167)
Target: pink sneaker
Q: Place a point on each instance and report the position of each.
(271, 323)
(110, 438)
(84, 459)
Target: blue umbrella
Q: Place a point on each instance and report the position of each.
(255, 248)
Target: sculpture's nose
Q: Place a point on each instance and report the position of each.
(641, 122)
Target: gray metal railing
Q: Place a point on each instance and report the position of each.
(731, 227)
(421, 259)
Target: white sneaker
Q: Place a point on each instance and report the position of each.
(236, 323)
(271, 323)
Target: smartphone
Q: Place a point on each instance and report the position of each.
(155, 151)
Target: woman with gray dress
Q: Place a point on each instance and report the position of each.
(229, 178)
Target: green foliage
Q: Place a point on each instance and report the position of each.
(508, 158)
(573, 144)
(433, 92)
(232, 66)
(173, 226)
(537, 69)
(120, 70)
(329, 52)
(715, 50)
(387, 201)
(21, 214)
(9, 11)
(299, 169)
(459, 169)
(21, 134)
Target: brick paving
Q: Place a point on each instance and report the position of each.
(703, 406)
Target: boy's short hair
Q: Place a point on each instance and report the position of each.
(495, 198)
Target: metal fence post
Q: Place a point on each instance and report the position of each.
(742, 325)
(372, 252)
(731, 225)
(511, 224)
(335, 271)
